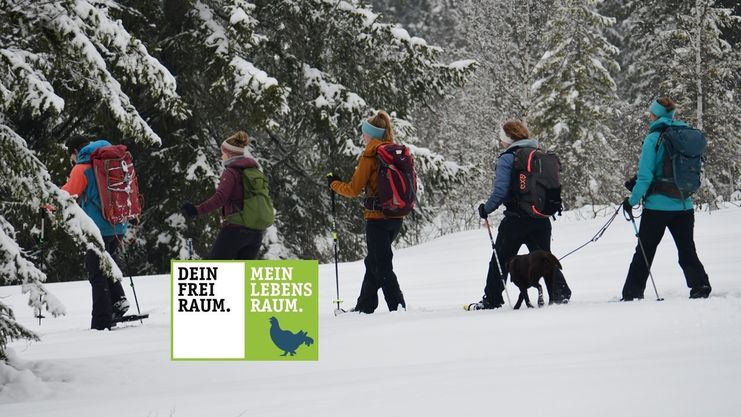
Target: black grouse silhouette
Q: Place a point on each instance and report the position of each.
(287, 341)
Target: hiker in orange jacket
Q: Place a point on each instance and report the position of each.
(380, 230)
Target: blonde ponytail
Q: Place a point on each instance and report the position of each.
(383, 121)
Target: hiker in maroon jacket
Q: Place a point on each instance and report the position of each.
(234, 241)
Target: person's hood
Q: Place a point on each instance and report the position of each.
(84, 155)
(240, 162)
(525, 143)
(663, 122)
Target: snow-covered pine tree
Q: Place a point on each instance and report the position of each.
(645, 46)
(639, 35)
(503, 36)
(64, 67)
(389, 70)
(574, 98)
(210, 46)
(705, 79)
(506, 38)
(299, 76)
(438, 20)
(679, 49)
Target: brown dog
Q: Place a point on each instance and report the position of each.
(525, 271)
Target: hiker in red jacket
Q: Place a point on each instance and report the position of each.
(235, 241)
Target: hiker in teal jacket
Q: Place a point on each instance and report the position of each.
(661, 211)
(650, 166)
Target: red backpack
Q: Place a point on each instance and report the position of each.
(397, 180)
(116, 181)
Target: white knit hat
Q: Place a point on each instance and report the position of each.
(504, 138)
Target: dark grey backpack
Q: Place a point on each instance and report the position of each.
(684, 153)
(536, 181)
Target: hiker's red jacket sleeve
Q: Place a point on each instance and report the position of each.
(359, 179)
(221, 196)
(77, 181)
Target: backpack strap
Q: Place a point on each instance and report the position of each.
(235, 204)
(667, 168)
(665, 183)
(515, 180)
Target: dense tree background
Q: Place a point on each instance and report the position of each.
(172, 78)
(553, 65)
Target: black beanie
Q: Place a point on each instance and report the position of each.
(75, 143)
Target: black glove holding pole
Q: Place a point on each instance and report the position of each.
(189, 210)
(482, 211)
(331, 177)
(627, 207)
(631, 183)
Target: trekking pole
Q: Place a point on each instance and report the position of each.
(334, 239)
(41, 256)
(131, 281)
(630, 218)
(496, 259)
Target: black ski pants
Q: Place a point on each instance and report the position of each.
(514, 231)
(681, 225)
(106, 291)
(236, 242)
(379, 269)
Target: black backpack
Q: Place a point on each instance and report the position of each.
(684, 153)
(536, 182)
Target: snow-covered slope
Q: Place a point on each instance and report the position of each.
(678, 357)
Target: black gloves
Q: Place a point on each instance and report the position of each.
(189, 210)
(331, 178)
(631, 183)
(482, 211)
(627, 207)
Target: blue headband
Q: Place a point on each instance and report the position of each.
(372, 131)
(660, 111)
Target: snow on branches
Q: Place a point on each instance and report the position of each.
(574, 98)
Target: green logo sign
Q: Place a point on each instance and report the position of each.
(244, 310)
(282, 310)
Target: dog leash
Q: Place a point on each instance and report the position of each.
(599, 233)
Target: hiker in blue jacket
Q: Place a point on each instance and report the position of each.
(517, 227)
(662, 211)
(109, 299)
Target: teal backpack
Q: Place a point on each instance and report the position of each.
(684, 154)
(257, 210)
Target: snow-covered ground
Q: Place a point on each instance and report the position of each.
(592, 357)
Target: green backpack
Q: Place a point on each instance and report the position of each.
(257, 212)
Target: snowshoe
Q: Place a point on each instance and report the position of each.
(481, 305)
(130, 317)
(473, 306)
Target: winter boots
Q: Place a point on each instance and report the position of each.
(484, 304)
(700, 292)
(120, 308)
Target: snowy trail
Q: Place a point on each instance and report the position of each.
(678, 357)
